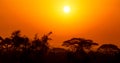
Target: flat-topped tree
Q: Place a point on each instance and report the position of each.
(79, 55)
(108, 49)
(79, 43)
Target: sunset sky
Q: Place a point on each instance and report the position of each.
(98, 20)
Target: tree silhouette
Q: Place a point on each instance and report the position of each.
(20, 49)
(18, 40)
(80, 43)
(7, 42)
(108, 49)
(1, 39)
(36, 43)
(1, 42)
(44, 42)
(79, 55)
(108, 53)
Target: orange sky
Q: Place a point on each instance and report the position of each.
(98, 20)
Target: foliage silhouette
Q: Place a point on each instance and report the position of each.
(79, 55)
(21, 49)
(108, 49)
(108, 53)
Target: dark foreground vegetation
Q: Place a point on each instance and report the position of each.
(21, 49)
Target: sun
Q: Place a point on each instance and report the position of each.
(66, 9)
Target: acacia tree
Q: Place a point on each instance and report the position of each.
(79, 44)
(79, 55)
(108, 53)
(109, 49)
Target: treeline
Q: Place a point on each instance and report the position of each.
(21, 49)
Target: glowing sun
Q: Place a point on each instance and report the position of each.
(66, 9)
